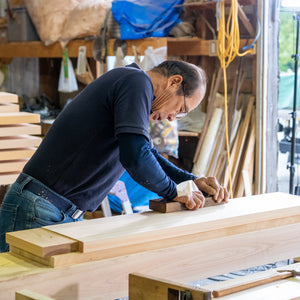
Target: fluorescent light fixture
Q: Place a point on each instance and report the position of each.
(290, 4)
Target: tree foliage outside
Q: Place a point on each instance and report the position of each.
(287, 41)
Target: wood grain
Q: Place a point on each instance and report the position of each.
(18, 117)
(41, 242)
(16, 129)
(8, 98)
(12, 154)
(9, 107)
(20, 141)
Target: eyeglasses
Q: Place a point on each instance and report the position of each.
(182, 114)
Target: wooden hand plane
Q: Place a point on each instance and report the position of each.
(166, 206)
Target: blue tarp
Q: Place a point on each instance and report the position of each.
(148, 18)
(137, 194)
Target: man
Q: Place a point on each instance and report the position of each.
(103, 131)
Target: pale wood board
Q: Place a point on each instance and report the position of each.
(120, 231)
(182, 264)
(30, 295)
(41, 242)
(8, 98)
(20, 141)
(18, 117)
(237, 150)
(8, 178)
(12, 154)
(11, 130)
(12, 166)
(9, 107)
(201, 164)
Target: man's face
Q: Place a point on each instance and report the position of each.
(175, 105)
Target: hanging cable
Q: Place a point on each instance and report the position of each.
(228, 45)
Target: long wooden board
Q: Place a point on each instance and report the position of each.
(123, 235)
(8, 98)
(20, 141)
(12, 166)
(12, 154)
(108, 278)
(18, 117)
(9, 107)
(16, 129)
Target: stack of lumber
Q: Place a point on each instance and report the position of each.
(92, 259)
(211, 155)
(17, 144)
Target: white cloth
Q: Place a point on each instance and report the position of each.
(186, 188)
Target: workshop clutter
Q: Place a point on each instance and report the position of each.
(63, 21)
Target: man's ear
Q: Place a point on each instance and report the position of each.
(175, 80)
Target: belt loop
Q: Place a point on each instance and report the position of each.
(26, 180)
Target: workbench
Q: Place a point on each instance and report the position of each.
(92, 259)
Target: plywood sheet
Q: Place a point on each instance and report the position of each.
(12, 154)
(11, 130)
(21, 141)
(153, 228)
(9, 107)
(12, 166)
(8, 98)
(18, 117)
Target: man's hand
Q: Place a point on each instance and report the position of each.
(194, 201)
(211, 186)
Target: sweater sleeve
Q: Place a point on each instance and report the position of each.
(143, 166)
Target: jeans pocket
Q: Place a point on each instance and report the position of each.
(45, 213)
(8, 214)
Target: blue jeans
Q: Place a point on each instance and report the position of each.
(22, 209)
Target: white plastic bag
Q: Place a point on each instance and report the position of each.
(67, 80)
(153, 57)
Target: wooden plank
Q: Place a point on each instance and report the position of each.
(8, 97)
(244, 19)
(30, 295)
(8, 178)
(149, 287)
(210, 110)
(140, 44)
(18, 117)
(12, 166)
(41, 242)
(248, 160)
(201, 164)
(192, 46)
(236, 152)
(9, 107)
(11, 130)
(12, 154)
(82, 281)
(120, 231)
(165, 206)
(21, 141)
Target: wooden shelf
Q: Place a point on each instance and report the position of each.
(212, 4)
(176, 46)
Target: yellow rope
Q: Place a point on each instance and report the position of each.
(228, 49)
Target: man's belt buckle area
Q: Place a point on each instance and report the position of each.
(77, 214)
(35, 187)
